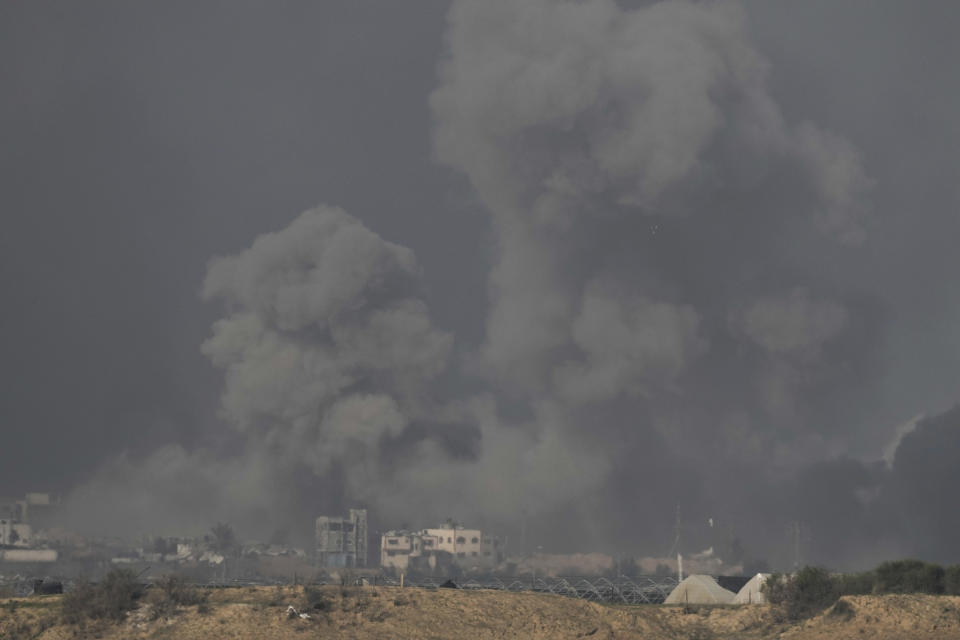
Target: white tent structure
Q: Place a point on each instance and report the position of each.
(750, 593)
(699, 589)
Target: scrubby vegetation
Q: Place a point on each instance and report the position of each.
(909, 576)
(119, 592)
(812, 589)
(315, 599)
(391, 612)
(172, 592)
(803, 594)
(951, 580)
(111, 598)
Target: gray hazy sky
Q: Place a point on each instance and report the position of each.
(138, 141)
(141, 140)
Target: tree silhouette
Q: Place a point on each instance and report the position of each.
(224, 538)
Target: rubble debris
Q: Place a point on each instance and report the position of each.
(293, 613)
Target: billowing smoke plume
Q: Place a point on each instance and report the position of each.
(327, 350)
(606, 143)
(655, 333)
(329, 358)
(327, 353)
(645, 191)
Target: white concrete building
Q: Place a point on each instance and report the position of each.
(28, 555)
(468, 549)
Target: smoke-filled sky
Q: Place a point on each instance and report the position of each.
(579, 260)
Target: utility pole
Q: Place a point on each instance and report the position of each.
(523, 531)
(796, 545)
(677, 527)
(676, 533)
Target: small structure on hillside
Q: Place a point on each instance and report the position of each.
(752, 592)
(700, 589)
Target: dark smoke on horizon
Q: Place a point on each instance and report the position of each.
(659, 325)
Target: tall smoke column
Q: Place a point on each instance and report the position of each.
(653, 213)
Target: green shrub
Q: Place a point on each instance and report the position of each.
(816, 588)
(774, 588)
(812, 590)
(909, 576)
(277, 598)
(804, 594)
(110, 598)
(173, 591)
(856, 584)
(951, 580)
(315, 598)
(176, 589)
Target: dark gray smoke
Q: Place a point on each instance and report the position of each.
(646, 190)
(659, 330)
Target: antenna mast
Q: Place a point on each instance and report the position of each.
(677, 528)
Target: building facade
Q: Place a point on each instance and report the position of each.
(451, 544)
(39, 510)
(15, 534)
(342, 542)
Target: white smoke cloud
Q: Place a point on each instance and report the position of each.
(322, 266)
(900, 432)
(793, 323)
(318, 308)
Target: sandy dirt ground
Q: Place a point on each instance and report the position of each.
(370, 613)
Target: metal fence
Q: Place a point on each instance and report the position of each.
(619, 590)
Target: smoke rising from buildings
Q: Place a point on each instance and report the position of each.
(658, 330)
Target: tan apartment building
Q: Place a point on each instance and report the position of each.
(468, 549)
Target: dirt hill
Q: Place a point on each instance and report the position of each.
(369, 613)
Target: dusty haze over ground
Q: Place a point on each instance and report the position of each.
(584, 260)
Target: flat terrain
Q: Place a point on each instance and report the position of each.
(367, 613)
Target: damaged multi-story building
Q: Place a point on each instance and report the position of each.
(342, 541)
(15, 534)
(19, 520)
(39, 510)
(449, 544)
